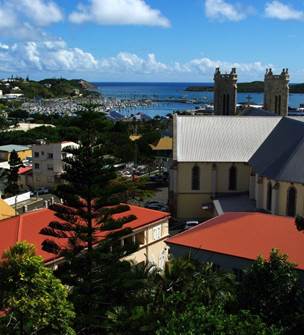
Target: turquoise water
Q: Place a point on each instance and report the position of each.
(173, 91)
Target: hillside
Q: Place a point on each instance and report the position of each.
(51, 88)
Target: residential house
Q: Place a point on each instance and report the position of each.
(24, 152)
(6, 211)
(150, 229)
(233, 241)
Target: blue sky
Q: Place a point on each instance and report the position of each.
(150, 40)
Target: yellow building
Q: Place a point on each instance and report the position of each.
(6, 211)
(277, 178)
(163, 145)
(149, 230)
(217, 157)
(23, 152)
(211, 158)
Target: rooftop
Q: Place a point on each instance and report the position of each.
(285, 163)
(164, 143)
(246, 235)
(25, 169)
(234, 203)
(202, 138)
(27, 227)
(11, 147)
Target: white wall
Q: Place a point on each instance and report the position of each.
(19, 198)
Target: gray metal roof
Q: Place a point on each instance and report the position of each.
(297, 118)
(220, 138)
(11, 147)
(281, 155)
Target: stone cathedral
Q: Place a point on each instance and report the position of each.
(276, 92)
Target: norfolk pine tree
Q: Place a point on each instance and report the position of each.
(15, 164)
(91, 196)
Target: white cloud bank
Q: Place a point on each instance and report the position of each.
(224, 11)
(119, 12)
(278, 10)
(54, 58)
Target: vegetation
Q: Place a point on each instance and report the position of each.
(115, 136)
(15, 164)
(199, 320)
(111, 296)
(50, 88)
(269, 288)
(3, 122)
(188, 298)
(91, 198)
(34, 301)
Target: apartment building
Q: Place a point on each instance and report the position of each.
(47, 163)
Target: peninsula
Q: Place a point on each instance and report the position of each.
(47, 88)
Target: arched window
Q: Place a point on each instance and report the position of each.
(195, 178)
(291, 202)
(232, 178)
(269, 196)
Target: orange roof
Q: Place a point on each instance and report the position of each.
(25, 169)
(26, 227)
(164, 143)
(246, 235)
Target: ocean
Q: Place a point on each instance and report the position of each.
(171, 91)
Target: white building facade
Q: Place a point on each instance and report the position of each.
(48, 164)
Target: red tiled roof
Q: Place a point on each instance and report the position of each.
(25, 169)
(246, 235)
(26, 227)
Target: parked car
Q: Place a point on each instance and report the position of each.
(39, 191)
(191, 224)
(156, 205)
(156, 178)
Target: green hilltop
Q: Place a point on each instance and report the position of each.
(50, 88)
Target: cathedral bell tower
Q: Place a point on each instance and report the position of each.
(225, 92)
(276, 92)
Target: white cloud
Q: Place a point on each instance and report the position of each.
(32, 54)
(120, 12)
(4, 46)
(51, 56)
(41, 12)
(223, 11)
(54, 57)
(7, 17)
(131, 63)
(203, 65)
(279, 10)
(22, 19)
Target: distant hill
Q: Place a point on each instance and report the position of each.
(251, 87)
(52, 88)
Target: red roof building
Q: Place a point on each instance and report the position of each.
(25, 169)
(234, 240)
(27, 227)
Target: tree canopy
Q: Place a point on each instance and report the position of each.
(34, 300)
